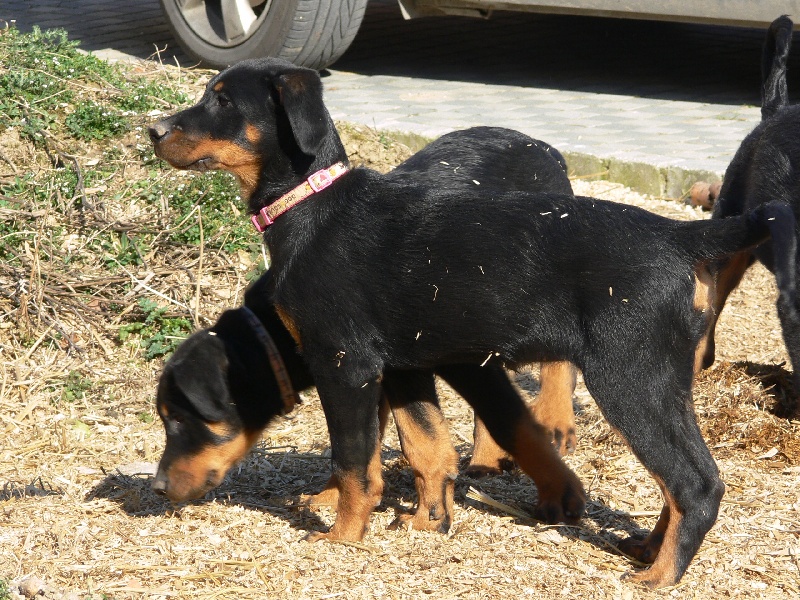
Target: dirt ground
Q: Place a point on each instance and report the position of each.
(78, 518)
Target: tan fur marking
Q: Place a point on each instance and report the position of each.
(663, 544)
(183, 151)
(728, 278)
(434, 462)
(193, 475)
(553, 407)
(218, 87)
(536, 456)
(704, 292)
(252, 133)
(329, 496)
(487, 457)
(289, 323)
(355, 503)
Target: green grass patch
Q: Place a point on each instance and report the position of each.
(92, 224)
(158, 334)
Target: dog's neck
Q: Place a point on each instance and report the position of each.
(291, 167)
(289, 396)
(316, 182)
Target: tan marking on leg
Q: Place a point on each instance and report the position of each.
(487, 457)
(289, 323)
(646, 550)
(662, 543)
(704, 294)
(429, 451)
(561, 495)
(329, 496)
(553, 407)
(357, 499)
(191, 476)
(727, 279)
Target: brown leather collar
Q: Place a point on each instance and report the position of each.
(289, 396)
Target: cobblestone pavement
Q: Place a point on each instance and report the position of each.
(656, 104)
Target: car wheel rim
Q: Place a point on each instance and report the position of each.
(224, 23)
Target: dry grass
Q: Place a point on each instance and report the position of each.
(77, 513)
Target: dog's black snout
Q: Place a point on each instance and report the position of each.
(158, 131)
(159, 485)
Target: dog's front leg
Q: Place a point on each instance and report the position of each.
(352, 416)
(426, 444)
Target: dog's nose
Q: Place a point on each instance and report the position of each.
(158, 131)
(159, 484)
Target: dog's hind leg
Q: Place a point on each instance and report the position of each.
(487, 457)
(425, 440)
(553, 408)
(654, 415)
(728, 274)
(511, 424)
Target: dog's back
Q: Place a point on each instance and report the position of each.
(492, 158)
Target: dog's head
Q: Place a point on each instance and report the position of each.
(205, 434)
(263, 120)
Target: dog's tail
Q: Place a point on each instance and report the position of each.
(714, 239)
(774, 94)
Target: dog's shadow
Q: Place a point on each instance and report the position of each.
(279, 494)
(778, 384)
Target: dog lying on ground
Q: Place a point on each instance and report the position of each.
(372, 276)
(766, 168)
(207, 374)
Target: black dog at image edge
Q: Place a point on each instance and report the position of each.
(373, 275)
(766, 168)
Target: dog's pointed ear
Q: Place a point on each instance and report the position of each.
(300, 94)
(201, 375)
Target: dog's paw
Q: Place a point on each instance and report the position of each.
(423, 520)
(642, 550)
(564, 439)
(327, 497)
(477, 469)
(317, 536)
(564, 504)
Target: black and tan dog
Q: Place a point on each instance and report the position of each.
(373, 276)
(766, 168)
(213, 373)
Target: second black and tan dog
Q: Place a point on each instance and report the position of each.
(373, 276)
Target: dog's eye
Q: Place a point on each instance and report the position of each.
(223, 101)
(174, 424)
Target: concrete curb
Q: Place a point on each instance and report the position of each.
(662, 182)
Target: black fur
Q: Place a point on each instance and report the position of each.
(379, 275)
(226, 377)
(766, 169)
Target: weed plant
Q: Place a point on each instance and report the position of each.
(102, 245)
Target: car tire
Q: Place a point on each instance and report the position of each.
(308, 33)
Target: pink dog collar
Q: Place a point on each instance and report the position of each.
(315, 183)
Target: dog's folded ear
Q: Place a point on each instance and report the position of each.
(200, 373)
(300, 93)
